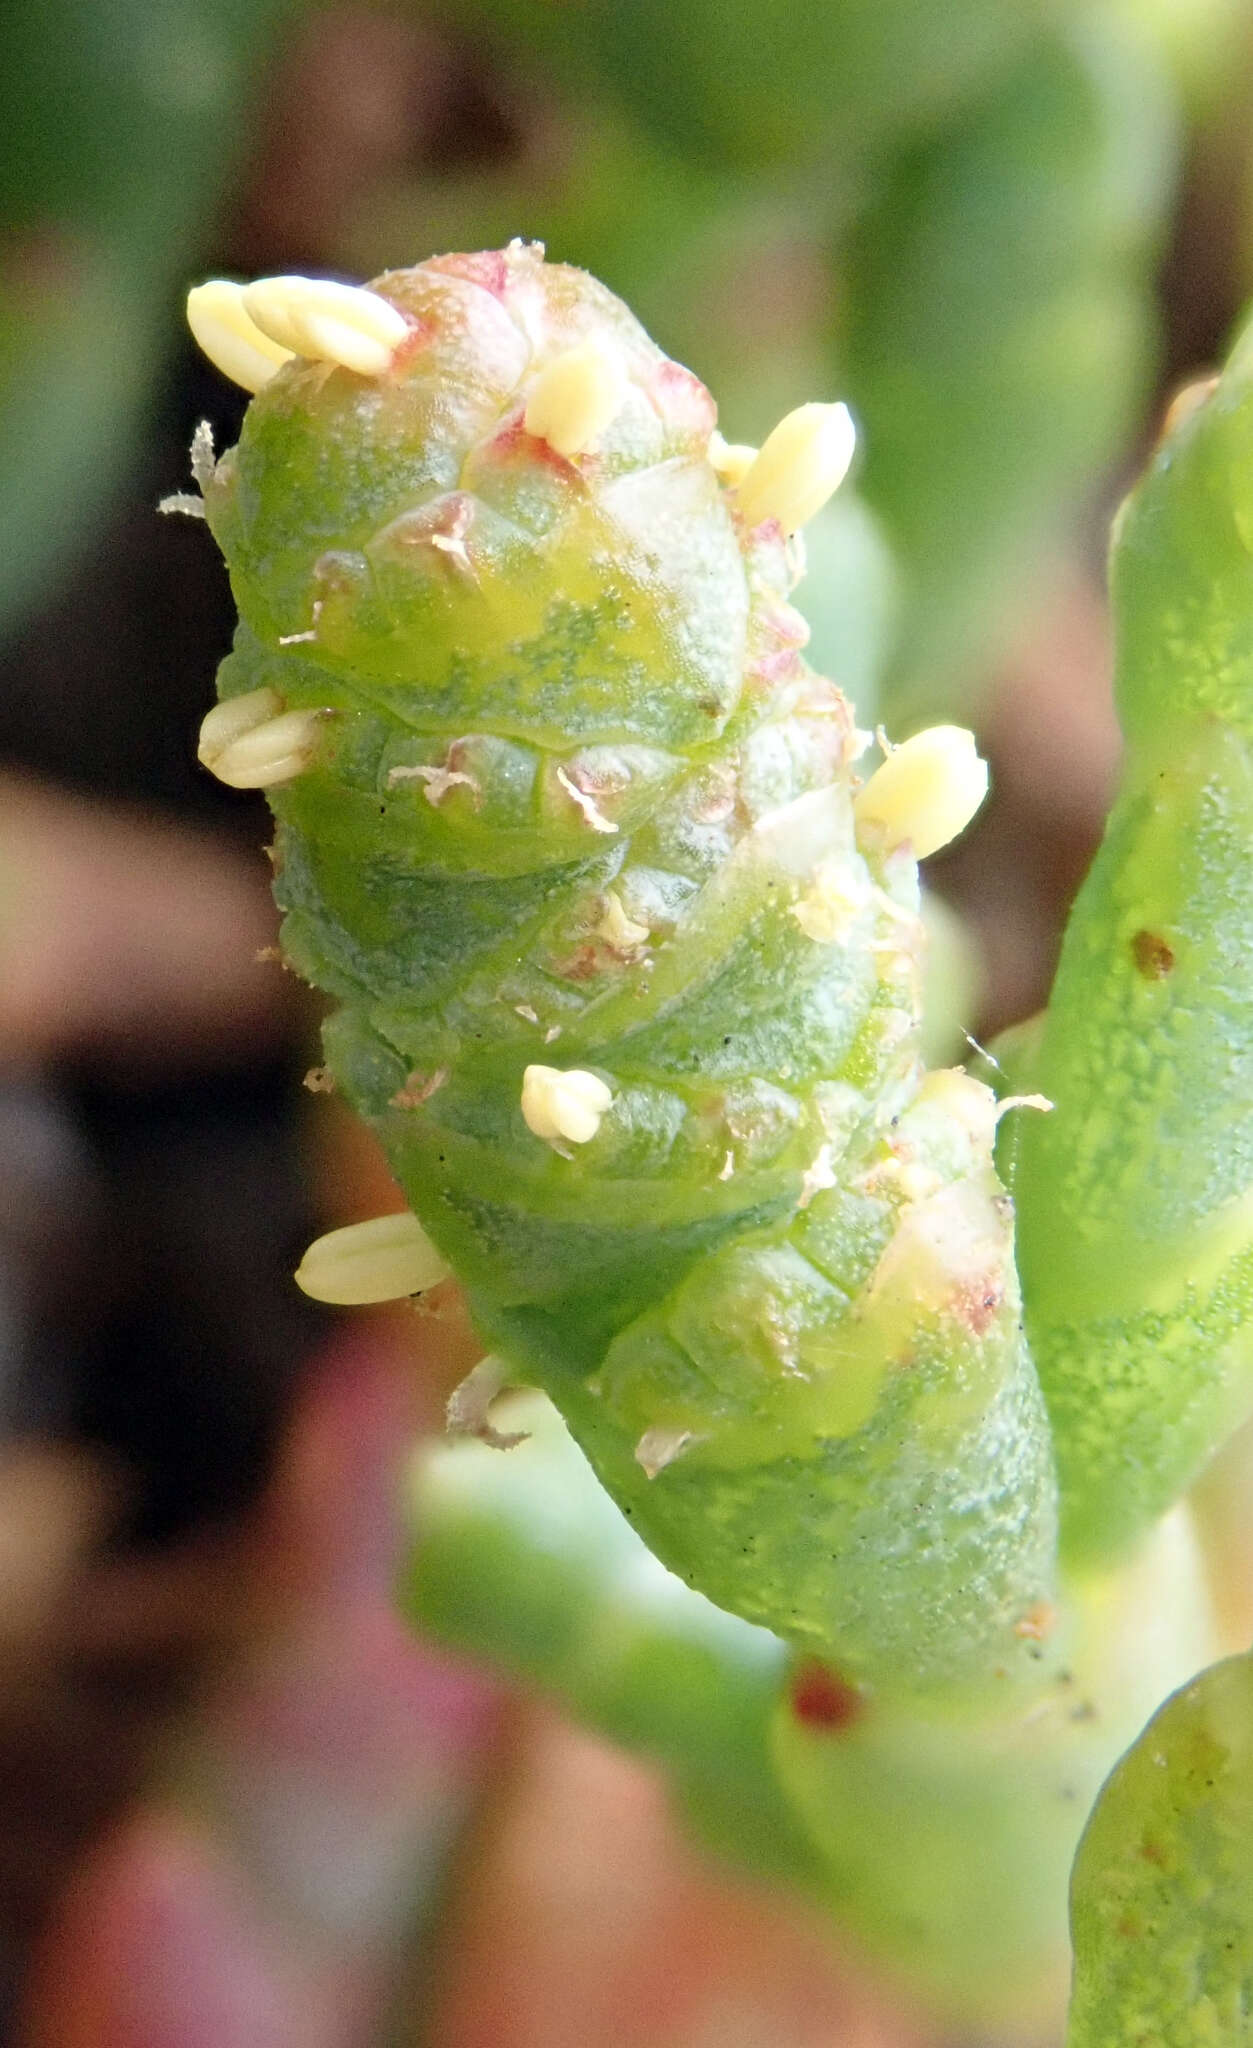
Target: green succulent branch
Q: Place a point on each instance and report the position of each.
(627, 958)
(1134, 1202)
(942, 1844)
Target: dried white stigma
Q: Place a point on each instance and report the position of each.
(731, 460)
(382, 1260)
(574, 398)
(328, 322)
(468, 1408)
(229, 336)
(800, 464)
(592, 813)
(250, 742)
(659, 1447)
(926, 792)
(563, 1105)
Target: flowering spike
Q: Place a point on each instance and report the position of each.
(647, 855)
(229, 337)
(798, 467)
(382, 1260)
(574, 398)
(926, 792)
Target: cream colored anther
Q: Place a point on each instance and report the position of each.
(830, 905)
(328, 322)
(382, 1260)
(232, 718)
(229, 336)
(798, 467)
(926, 792)
(251, 742)
(617, 928)
(574, 398)
(563, 1105)
(966, 1100)
(731, 460)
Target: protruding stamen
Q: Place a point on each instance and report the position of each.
(574, 398)
(250, 742)
(617, 928)
(830, 905)
(564, 1106)
(801, 463)
(230, 337)
(382, 1260)
(926, 792)
(327, 321)
(232, 718)
(731, 460)
(969, 1102)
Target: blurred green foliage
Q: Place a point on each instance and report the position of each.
(948, 214)
(119, 124)
(1162, 1901)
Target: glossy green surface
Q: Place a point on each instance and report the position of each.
(1136, 1230)
(1162, 1903)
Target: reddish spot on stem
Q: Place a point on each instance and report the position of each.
(822, 1699)
(1152, 955)
(1037, 1623)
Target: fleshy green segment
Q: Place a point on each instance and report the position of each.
(949, 1840)
(522, 1560)
(942, 1843)
(1162, 1897)
(774, 1293)
(1135, 1197)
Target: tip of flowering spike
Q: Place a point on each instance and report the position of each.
(926, 792)
(564, 1105)
(798, 466)
(574, 398)
(328, 322)
(231, 339)
(251, 742)
(382, 1260)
